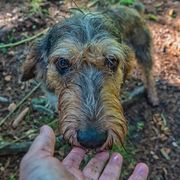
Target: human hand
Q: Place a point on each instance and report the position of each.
(39, 163)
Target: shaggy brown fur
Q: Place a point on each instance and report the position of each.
(84, 61)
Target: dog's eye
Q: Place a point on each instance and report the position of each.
(62, 65)
(111, 63)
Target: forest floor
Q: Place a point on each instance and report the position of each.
(154, 133)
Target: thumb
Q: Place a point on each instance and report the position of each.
(45, 141)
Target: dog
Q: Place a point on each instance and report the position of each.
(82, 63)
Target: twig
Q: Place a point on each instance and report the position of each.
(22, 137)
(17, 148)
(20, 117)
(19, 104)
(94, 3)
(9, 147)
(24, 40)
(2, 146)
(134, 96)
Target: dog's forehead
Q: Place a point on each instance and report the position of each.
(81, 29)
(88, 36)
(81, 26)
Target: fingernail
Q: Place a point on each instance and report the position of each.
(116, 158)
(141, 169)
(44, 130)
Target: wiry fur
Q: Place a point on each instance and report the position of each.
(88, 95)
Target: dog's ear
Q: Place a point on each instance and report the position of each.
(129, 61)
(29, 66)
(36, 61)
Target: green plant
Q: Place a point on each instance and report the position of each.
(3, 50)
(128, 154)
(113, 1)
(12, 177)
(127, 2)
(152, 17)
(140, 125)
(35, 7)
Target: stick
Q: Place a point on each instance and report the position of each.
(19, 104)
(20, 117)
(4, 145)
(24, 40)
(90, 5)
(17, 148)
(134, 97)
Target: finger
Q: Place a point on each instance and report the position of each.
(45, 141)
(96, 165)
(140, 172)
(113, 167)
(74, 158)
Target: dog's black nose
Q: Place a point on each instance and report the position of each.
(91, 137)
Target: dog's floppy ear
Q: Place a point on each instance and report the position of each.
(29, 66)
(129, 61)
(36, 60)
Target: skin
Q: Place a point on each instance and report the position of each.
(39, 163)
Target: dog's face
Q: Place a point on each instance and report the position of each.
(84, 65)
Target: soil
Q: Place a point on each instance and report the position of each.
(154, 136)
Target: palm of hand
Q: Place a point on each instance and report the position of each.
(39, 163)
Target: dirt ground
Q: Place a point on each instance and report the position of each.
(154, 132)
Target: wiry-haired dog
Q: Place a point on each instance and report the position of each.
(83, 62)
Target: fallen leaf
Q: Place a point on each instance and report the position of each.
(12, 107)
(164, 153)
(8, 78)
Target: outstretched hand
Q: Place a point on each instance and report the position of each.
(39, 163)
